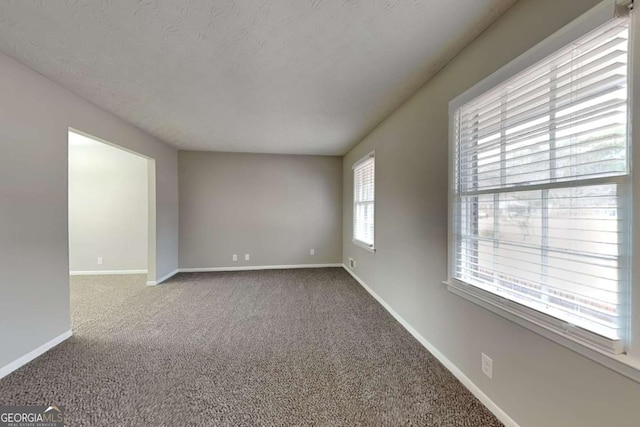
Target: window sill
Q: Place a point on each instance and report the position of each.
(620, 363)
(364, 245)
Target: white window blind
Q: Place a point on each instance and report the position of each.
(364, 201)
(542, 182)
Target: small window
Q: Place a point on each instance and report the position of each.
(541, 186)
(364, 201)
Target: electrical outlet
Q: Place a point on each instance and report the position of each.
(487, 366)
(312, 252)
(352, 263)
(246, 257)
(99, 260)
(235, 257)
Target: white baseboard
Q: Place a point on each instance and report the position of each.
(105, 272)
(479, 394)
(6, 370)
(257, 267)
(163, 278)
(242, 268)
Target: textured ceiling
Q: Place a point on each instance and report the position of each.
(271, 76)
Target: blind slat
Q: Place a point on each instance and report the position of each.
(596, 41)
(483, 163)
(611, 269)
(574, 313)
(582, 117)
(541, 174)
(535, 276)
(364, 201)
(595, 90)
(522, 90)
(524, 101)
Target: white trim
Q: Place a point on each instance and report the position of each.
(536, 317)
(105, 272)
(620, 363)
(619, 179)
(242, 268)
(21, 361)
(257, 267)
(363, 245)
(163, 278)
(633, 314)
(466, 381)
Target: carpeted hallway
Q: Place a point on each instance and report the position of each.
(278, 347)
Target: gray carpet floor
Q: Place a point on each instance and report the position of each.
(276, 348)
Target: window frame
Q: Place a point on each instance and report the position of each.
(371, 248)
(574, 338)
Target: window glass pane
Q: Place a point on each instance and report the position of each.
(542, 173)
(564, 119)
(364, 196)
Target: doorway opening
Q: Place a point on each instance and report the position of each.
(111, 218)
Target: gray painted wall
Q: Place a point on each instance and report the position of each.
(35, 114)
(537, 382)
(273, 207)
(108, 215)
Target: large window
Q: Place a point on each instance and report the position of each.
(541, 189)
(364, 201)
